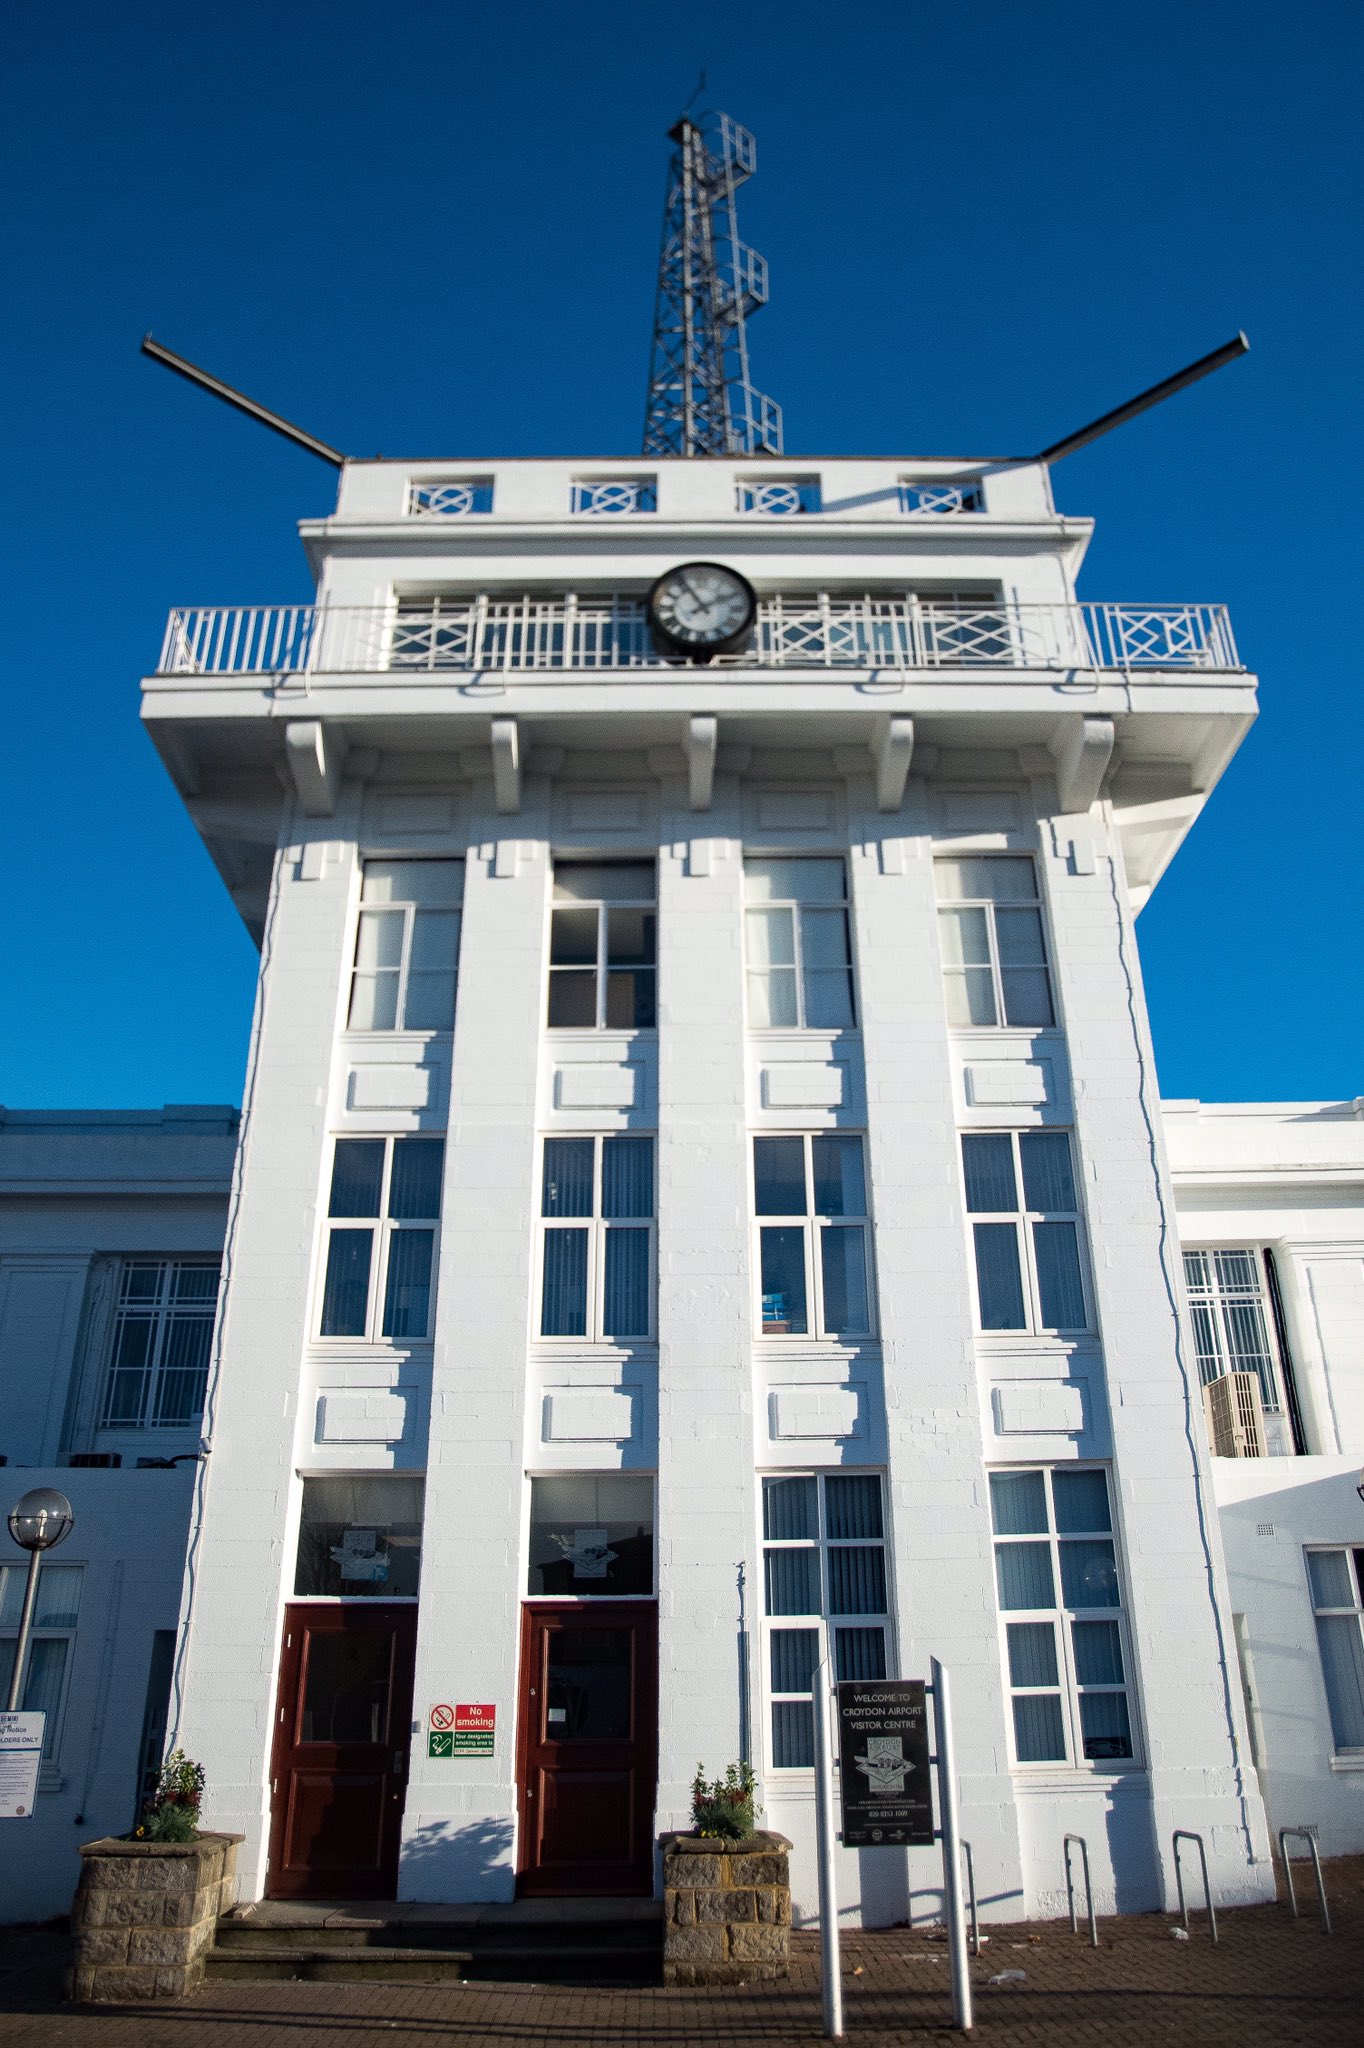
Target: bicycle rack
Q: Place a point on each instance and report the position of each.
(1304, 1835)
(1066, 1841)
(1188, 1835)
(971, 1897)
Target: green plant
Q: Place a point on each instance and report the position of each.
(723, 1807)
(172, 1812)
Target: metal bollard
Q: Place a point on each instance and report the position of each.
(1304, 1835)
(1066, 1841)
(1188, 1835)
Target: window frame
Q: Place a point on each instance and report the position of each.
(1217, 1302)
(383, 1229)
(532, 1475)
(409, 910)
(601, 969)
(812, 1225)
(597, 1228)
(1353, 1553)
(164, 1308)
(824, 1623)
(987, 904)
(1062, 1619)
(1024, 1221)
(795, 905)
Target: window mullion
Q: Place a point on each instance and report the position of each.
(602, 915)
(996, 972)
(155, 1350)
(798, 957)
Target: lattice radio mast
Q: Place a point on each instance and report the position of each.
(701, 401)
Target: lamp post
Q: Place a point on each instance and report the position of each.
(41, 1520)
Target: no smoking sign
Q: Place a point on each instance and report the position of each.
(441, 1716)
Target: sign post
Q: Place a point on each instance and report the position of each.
(951, 1853)
(830, 1966)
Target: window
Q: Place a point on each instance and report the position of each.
(1028, 1274)
(1231, 1330)
(608, 495)
(450, 497)
(163, 1333)
(799, 951)
(602, 947)
(592, 1537)
(824, 1578)
(1336, 1578)
(780, 497)
(360, 1538)
(49, 1653)
(993, 952)
(407, 946)
(815, 1262)
(1065, 1655)
(597, 1273)
(381, 1239)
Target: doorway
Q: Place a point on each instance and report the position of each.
(339, 1767)
(588, 1762)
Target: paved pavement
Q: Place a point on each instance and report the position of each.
(1271, 1981)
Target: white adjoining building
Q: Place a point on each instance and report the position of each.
(702, 1198)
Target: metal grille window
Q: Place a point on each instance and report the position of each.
(939, 498)
(605, 496)
(1028, 1270)
(1336, 1578)
(450, 497)
(603, 941)
(814, 1239)
(798, 945)
(163, 1333)
(381, 1237)
(779, 497)
(994, 952)
(1056, 1574)
(824, 1580)
(407, 946)
(50, 1645)
(1231, 1327)
(597, 1237)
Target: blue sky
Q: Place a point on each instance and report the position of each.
(430, 229)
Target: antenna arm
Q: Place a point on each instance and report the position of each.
(1228, 353)
(191, 371)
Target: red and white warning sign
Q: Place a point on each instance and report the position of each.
(483, 1718)
(441, 1716)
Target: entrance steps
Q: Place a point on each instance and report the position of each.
(538, 1941)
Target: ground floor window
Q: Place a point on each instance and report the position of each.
(50, 1646)
(1337, 1581)
(824, 1582)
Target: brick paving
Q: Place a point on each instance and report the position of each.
(1271, 1981)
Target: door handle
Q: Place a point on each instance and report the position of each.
(398, 1759)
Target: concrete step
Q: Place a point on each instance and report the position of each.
(571, 1941)
(241, 1937)
(537, 1963)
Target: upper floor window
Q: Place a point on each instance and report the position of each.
(381, 1237)
(603, 946)
(815, 1262)
(163, 1333)
(781, 497)
(407, 946)
(798, 944)
(824, 1567)
(450, 497)
(1231, 1329)
(1056, 1573)
(1028, 1272)
(606, 495)
(993, 951)
(934, 497)
(597, 1237)
(1336, 1578)
(49, 1650)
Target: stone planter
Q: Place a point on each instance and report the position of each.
(144, 1916)
(726, 1909)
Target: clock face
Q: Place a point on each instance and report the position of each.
(701, 608)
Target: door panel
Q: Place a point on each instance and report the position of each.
(588, 1747)
(342, 1731)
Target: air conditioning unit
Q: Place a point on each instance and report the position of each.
(1236, 1416)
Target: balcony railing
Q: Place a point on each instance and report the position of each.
(485, 635)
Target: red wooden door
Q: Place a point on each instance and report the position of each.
(588, 1763)
(342, 1730)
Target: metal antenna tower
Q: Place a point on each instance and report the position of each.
(701, 401)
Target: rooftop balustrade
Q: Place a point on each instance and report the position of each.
(533, 635)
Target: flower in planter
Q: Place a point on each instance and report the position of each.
(723, 1807)
(172, 1812)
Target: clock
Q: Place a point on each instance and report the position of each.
(701, 609)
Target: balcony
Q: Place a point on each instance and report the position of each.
(530, 635)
